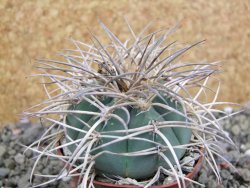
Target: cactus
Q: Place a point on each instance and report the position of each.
(129, 109)
(138, 167)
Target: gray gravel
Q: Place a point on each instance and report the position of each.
(15, 165)
(238, 127)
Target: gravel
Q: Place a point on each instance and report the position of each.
(16, 166)
(238, 128)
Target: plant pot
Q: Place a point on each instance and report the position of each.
(98, 184)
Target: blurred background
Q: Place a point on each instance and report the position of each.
(40, 29)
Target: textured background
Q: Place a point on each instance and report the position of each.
(34, 29)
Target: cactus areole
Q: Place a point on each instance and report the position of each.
(128, 157)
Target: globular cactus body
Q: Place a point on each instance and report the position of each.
(138, 167)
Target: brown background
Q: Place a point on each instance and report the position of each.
(33, 29)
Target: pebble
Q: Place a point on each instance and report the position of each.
(6, 138)
(242, 186)
(23, 182)
(245, 174)
(232, 156)
(203, 178)
(4, 172)
(228, 110)
(244, 125)
(45, 171)
(247, 152)
(212, 184)
(28, 153)
(10, 163)
(10, 182)
(248, 138)
(2, 151)
(1, 163)
(226, 174)
(168, 180)
(12, 144)
(19, 158)
(12, 152)
(236, 130)
(244, 161)
(248, 146)
(31, 134)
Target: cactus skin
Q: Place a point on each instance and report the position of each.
(137, 167)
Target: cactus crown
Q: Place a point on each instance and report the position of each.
(128, 104)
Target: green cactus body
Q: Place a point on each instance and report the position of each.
(138, 167)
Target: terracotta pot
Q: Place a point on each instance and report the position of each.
(98, 184)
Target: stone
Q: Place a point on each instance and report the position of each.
(31, 134)
(248, 138)
(2, 151)
(38, 179)
(62, 185)
(45, 171)
(9, 163)
(6, 135)
(242, 186)
(236, 130)
(54, 162)
(4, 172)
(28, 153)
(12, 152)
(10, 182)
(244, 161)
(203, 178)
(226, 174)
(244, 125)
(248, 146)
(225, 183)
(232, 156)
(65, 178)
(1, 163)
(212, 184)
(23, 182)
(168, 180)
(188, 161)
(39, 167)
(19, 158)
(6, 138)
(245, 174)
(227, 126)
(247, 152)
(15, 172)
(22, 167)
(12, 144)
(228, 110)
